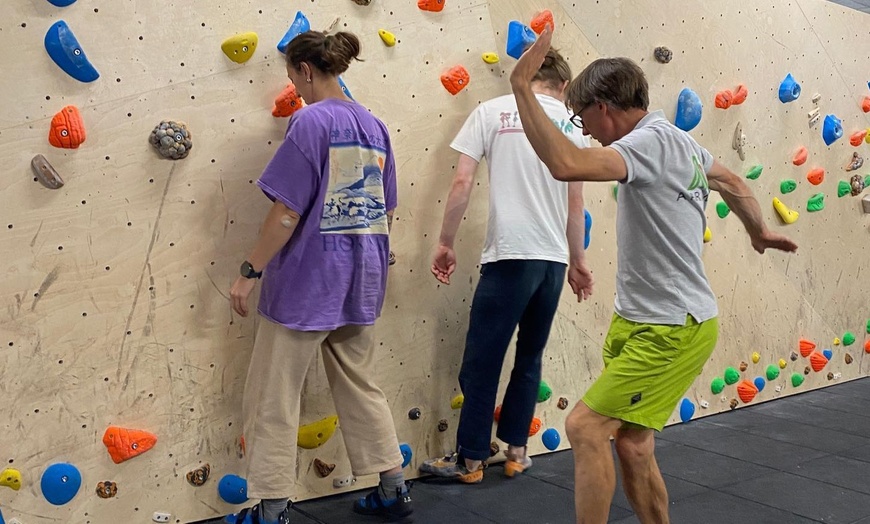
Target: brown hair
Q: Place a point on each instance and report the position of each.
(554, 71)
(331, 54)
(618, 82)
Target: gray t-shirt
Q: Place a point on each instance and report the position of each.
(660, 224)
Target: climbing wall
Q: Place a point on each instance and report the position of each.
(114, 296)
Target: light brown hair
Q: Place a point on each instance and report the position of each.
(330, 53)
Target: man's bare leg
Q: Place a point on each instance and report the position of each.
(641, 478)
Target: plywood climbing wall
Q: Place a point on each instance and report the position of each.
(115, 286)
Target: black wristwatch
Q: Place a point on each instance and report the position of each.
(247, 270)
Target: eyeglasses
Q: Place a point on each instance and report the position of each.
(576, 119)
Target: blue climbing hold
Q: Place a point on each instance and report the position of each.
(1, 518)
(789, 90)
(233, 489)
(300, 25)
(759, 383)
(344, 88)
(551, 439)
(832, 129)
(60, 483)
(588, 218)
(64, 49)
(59, 3)
(687, 410)
(689, 108)
(519, 37)
(828, 354)
(405, 449)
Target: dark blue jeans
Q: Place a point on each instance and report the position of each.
(510, 293)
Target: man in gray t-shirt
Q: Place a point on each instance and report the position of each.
(664, 327)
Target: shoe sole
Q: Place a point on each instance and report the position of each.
(512, 467)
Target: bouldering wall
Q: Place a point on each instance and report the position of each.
(114, 293)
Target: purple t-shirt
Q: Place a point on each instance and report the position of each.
(336, 169)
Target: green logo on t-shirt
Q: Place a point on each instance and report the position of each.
(700, 179)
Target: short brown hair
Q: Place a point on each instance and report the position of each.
(555, 70)
(331, 54)
(618, 82)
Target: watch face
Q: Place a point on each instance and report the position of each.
(247, 269)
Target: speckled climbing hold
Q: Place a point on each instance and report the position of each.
(287, 102)
(60, 483)
(414, 414)
(832, 129)
(45, 173)
(828, 354)
(689, 110)
(738, 141)
(300, 25)
(11, 478)
(782, 363)
(540, 21)
(797, 379)
(431, 5)
(662, 54)
(171, 139)
(789, 90)
(324, 469)
(755, 172)
(816, 203)
(816, 176)
(493, 448)
(717, 385)
(708, 235)
(519, 37)
(106, 489)
(535, 426)
(848, 338)
(64, 49)
(442, 425)
(67, 128)
(759, 383)
(198, 476)
(800, 156)
(856, 185)
(756, 356)
(733, 403)
(857, 138)
(563, 403)
(544, 392)
(772, 372)
(789, 216)
(457, 401)
(407, 453)
(722, 209)
(848, 357)
(724, 99)
(731, 376)
(854, 163)
(490, 58)
(551, 439)
(240, 48)
(455, 79)
(843, 188)
(315, 434)
(388, 38)
(787, 186)
(743, 366)
(687, 410)
(818, 361)
(124, 444)
(746, 390)
(233, 489)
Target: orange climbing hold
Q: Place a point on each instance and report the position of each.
(818, 361)
(540, 21)
(124, 444)
(740, 95)
(865, 104)
(800, 156)
(746, 390)
(807, 347)
(287, 103)
(456, 79)
(431, 5)
(67, 128)
(858, 137)
(867, 346)
(535, 426)
(497, 414)
(724, 99)
(816, 176)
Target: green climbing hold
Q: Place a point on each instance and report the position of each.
(787, 186)
(731, 376)
(797, 379)
(616, 192)
(544, 392)
(866, 180)
(755, 172)
(722, 209)
(717, 385)
(772, 372)
(868, 325)
(816, 202)
(848, 338)
(843, 188)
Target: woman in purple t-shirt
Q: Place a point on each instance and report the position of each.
(323, 253)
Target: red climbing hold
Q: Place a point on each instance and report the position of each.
(540, 21)
(724, 99)
(816, 176)
(497, 414)
(800, 156)
(456, 79)
(287, 103)
(431, 5)
(746, 390)
(807, 347)
(535, 426)
(857, 137)
(818, 361)
(740, 95)
(124, 444)
(865, 104)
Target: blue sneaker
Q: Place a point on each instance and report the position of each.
(252, 516)
(396, 509)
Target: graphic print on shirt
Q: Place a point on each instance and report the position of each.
(509, 122)
(354, 201)
(699, 189)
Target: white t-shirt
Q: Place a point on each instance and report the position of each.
(528, 208)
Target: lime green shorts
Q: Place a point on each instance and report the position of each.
(648, 368)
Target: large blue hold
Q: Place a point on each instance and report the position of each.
(759, 383)
(63, 47)
(832, 129)
(407, 454)
(588, 228)
(689, 109)
(789, 90)
(687, 410)
(519, 37)
(59, 3)
(300, 25)
(233, 489)
(551, 439)
(60, 483)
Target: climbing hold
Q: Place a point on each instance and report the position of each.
(324, 469)
(789, 90)
(240, 48)
(800, 156)
(171, 139)
(199, 476)
(794, 356)
(816, 202)
(708, 234)
(806, 347)
(724, 99)
(772, 373)
(817, 361)
(856, 185)
(455, 79)
(414, 414)
(759, 383)
(755, 172)
(830, 375)
(540, 21)
(743, 366)
(848, 357)
(442, 425)
(544, 392)
(407, 454)
(587, 228)
(828, 354)
(731, 376)
(789, 216)
(704, 404)
(233, 489)
(67, 128)
(867, 346)
(689, 109)
(563, 403)
(733, 404)
(857, 137)
(746, 390)
(738, 141)
(836, 341)
(493, 448)
(64, 49)
(662, 54)
(106, 489)
(61, 3)
(616, 192)
(740, 95)
(60, 483)
(124, 444)
(519, 37)
(45, 173)
(687, 410)
(717, 385)
(431, 5)
(855, 162)
(287, 103)
(362, 2)
(551, 439)
(843, 188)
(457, 401)
(535, 426)
(344, 88)
(868, 326)
(865, 104)
(722, 209)
(807, 370)
(11, 478)
(832, 129)
(490, 58)
(816, 176)
(787, 186)
(848, 338)
(315, 434)
(300, 25)
(782, 363)
(797, 379)
(387, 37)
(496, 415)
(756, 356)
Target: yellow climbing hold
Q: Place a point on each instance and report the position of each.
(388, 37)
(836, 341)
(782, 363)
(708, 235)
(789, 216)
(457, 401)
(314, 435)
(490, 58)
(240, 48)
(11, 478)
(756, 357)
